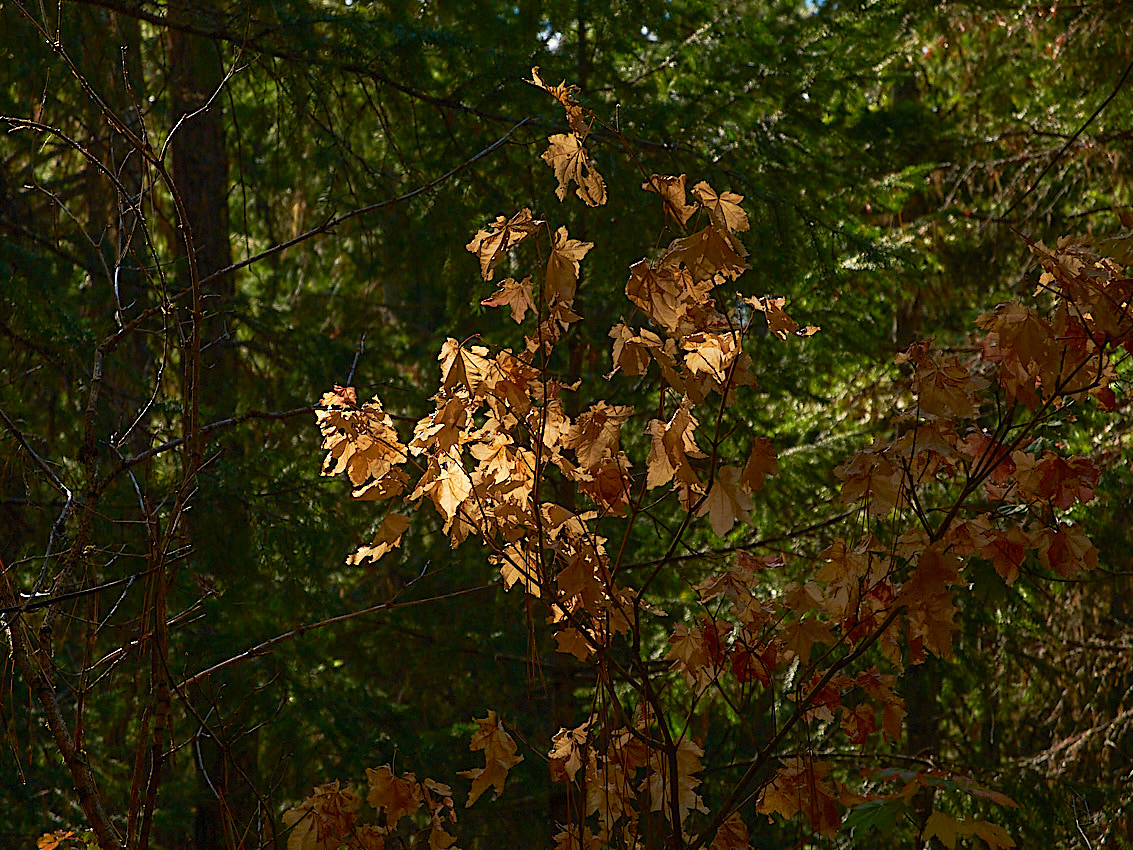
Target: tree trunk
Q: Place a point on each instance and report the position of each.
(226, 763)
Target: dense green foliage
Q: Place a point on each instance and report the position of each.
(893, 157)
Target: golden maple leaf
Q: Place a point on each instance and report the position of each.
(656, 782)
(324, 820)
(566, 754)
(500, 755)
(387, 539)
(562, 267)
(596, 434)
(762, 462)
(397, 796)
(707, 253)
(564, 94)
(723, 209)
(732, 835)
(671, 445)
(513, 294)
(571, 163)
(672, 192)
(725, 502)
(504, 233)
(801, 786)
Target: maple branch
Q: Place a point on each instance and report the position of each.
(35, 602)
(132, 461)
(334, 221)
(733, 802)
(28, 661)
(257, 41)
(1061, 151)
(264, 647)
(703, 554)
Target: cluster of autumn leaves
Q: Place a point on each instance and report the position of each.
(961, 474)
(333, 816)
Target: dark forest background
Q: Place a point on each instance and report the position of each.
(212, 212)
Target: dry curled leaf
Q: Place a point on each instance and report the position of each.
(564, 94)
(490, 244)
(513, 294)
(572, 164)
(672, 192)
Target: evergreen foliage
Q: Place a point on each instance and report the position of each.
(212, 212)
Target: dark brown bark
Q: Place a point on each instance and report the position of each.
(225, 762)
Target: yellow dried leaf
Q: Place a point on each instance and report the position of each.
(595, 435)
(725, 502)
(397, 796)
(572, 163)
(562, 267)
(438, 838)
(572, 642)
(323, 820)
(564, 94)
(672, 192)
(672, 444)
(732, 835)
(707, 253)
(513, 294)
(499, 756)
(943, 827)
(724, 209)
(762, 462)
(504, 233)
(387, 539)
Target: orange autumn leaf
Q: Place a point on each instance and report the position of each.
(657, 781)
(778, 322)
(322, 821)
(439, 839)
(801, 636)
(671, 445)
(463, 366)
(944, 387)
(446, 483)
(596, 434)
(707, 253)
(945, 828)
(801, 786)
(396, 796)
(993, 835)
(1006, 550)
(572, 642)
(660, 292)
(948, 830)
(762, 462)
(732, 835)
(362, 442)
(632, 352)
(1052, 478)
(697, 652)
(1065, 549)
(567, 751)
(51, 840)
(872, 476)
